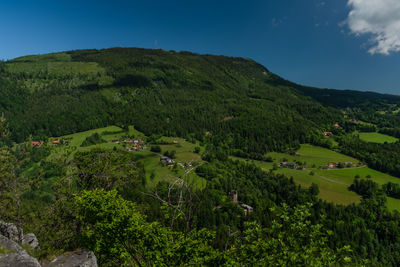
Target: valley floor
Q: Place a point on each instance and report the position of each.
(333, 183)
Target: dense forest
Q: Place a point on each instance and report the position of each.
(100, 200)
(160, 92)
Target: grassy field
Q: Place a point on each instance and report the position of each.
(57, 65)
(151, 161)
(331, 190)
(57, 68)
(313, 155)
(76, 139)
(347, 175)
(333, 183)
(393, 204)
(47, 57)
(184, 153)
(377, 138)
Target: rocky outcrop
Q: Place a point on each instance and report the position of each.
(13, 255)
(30, 240)
(11, 231)
(74, 259)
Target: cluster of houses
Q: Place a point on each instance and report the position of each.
(187, 164)
(40, 143)
(332, 165)
(37, 143)
(128, 141)
(167, 161)
(246, 208)
(134, 144)
(336, 125)
(290, 165)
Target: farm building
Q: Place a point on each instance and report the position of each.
(331, 165)
(246, 209)
(290, 165)
(188, 164)
(167, 161)
(37, 143)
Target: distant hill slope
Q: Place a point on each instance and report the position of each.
(161, 92)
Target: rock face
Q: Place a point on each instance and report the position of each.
(31, 240)
(11, 231)
(14, 255)
(74, 259)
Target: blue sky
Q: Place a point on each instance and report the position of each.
(312, 42)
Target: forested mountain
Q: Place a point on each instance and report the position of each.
(107, 192)
(158, 91)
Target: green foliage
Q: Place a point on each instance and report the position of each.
(171, 154)
(4, 130)
(155, 149)
(108, 170)
(382, 157)
(11, 186)
(392, 190)
(233, 106)
(168, 93)
(290, 241)
(120, 235)
(93, 140)
(365, 188)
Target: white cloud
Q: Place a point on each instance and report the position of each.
(378, 18)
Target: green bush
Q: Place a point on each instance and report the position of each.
(93, 140)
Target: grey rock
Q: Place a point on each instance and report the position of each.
(18, 260)
(74, 259)
(31, 240)
(8, 244)
(11, 231)
(16, 256)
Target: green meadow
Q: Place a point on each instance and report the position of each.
(313, 155)
(377, 138)
(333, 183)
(155, 172)
(77, 139)
(56, 68)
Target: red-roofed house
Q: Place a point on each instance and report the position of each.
(36, 143)
(331, 165)
(327, 133)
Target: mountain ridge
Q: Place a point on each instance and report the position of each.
(166, 92)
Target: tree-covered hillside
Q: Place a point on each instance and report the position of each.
(177, 177)
(160, 92)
